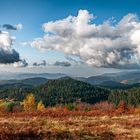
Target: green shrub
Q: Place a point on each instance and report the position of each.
(70, 106)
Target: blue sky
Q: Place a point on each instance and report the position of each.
(33, 13)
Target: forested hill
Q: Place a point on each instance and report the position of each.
(59, 91)
(66, 90)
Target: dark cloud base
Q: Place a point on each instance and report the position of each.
(7, 57)
(9, 27)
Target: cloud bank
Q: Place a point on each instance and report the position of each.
(109, 44)
(43, 63)
(62, 64)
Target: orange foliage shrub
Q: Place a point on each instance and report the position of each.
(104, 106)
(83, 107)
(17, 108)
(137, 110)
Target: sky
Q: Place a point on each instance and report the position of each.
(76, 37)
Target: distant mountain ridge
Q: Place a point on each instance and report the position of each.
(131, 77)
(20, 76)
(29, 81)
(120, 79)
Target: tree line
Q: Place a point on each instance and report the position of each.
(67, 90)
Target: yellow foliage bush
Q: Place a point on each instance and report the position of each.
(40, 106)
(3, 108)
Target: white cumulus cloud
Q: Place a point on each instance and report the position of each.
(20, 64)
(107, 44)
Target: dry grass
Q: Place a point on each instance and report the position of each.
(69, 127)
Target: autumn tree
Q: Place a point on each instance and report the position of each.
(40, 106)
(122, 107)
(29, 103)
